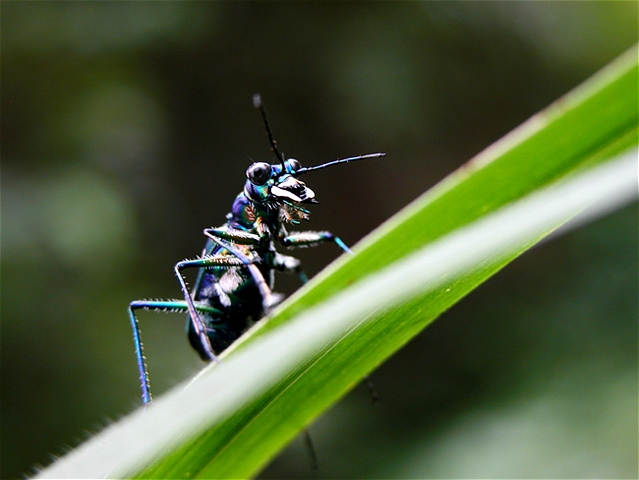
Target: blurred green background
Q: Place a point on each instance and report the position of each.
(127, 128)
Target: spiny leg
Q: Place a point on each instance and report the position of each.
(220, 237)
(162, 306)
(198, 326)
(305, 239)
(310, 239)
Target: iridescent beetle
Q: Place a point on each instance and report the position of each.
(234, 283)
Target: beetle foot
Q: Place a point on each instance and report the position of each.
(273, 301)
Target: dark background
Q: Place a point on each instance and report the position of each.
(127, 128)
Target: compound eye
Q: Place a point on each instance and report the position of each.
(258, 173)
(294, 164)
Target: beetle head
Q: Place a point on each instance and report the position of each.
(277, 184)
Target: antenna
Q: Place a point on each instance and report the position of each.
(336, 162)
(257, 103)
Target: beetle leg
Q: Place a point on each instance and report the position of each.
(310, 239)
(260, 281)
(162, 306)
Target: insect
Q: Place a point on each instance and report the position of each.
(234, 282)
